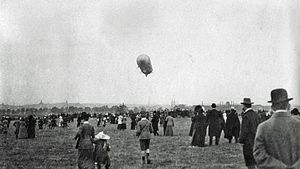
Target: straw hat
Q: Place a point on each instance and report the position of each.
(102, 136)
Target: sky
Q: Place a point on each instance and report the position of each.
(201, 50)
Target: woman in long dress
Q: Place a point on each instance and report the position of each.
(120, 118)
(23, 129)
(170, 125)
(85, 136)
(199, 127)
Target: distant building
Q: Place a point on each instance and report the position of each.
(173, 103)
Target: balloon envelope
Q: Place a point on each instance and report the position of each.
(144, 63)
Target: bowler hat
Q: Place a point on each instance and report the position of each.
(279, 96)
(247, 101)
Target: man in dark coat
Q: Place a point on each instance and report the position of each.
(31, 123)
(133, 120)
(78, 121)
(232, 126)
(250, 121)
(215, 121)
(155, 121)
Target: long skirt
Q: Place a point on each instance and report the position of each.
(86, 159)
(169, 131)
(22, 132)
(198, 138)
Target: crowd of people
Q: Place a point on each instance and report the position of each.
(269, 139)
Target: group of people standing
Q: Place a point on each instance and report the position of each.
(25, 127)
(213, 119)
(273, 143)
(159, 119)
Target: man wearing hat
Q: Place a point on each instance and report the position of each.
(250, 121)
(144, 130)
(277, 141)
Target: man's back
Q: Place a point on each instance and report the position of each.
(213, 116)
(278, 138)
(144, 129)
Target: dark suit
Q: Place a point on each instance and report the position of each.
(232, 126)
(215, 122)
(250, 121)
(277, 142)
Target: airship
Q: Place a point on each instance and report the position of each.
(144, 63)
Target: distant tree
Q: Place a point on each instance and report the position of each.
(87, 109)
(80, 109)
(122, 108)
(73, 109)
(55, 110)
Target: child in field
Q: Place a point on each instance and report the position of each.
(101, 150)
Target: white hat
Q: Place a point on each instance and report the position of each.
(102, 136)
(232, 108)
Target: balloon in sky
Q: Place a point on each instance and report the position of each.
(144, 63)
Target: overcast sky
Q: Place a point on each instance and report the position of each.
(201, 50)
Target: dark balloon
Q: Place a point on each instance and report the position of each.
(144, 63)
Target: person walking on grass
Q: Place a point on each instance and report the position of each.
(199, 127)
(22, 133)
(169, 125)
(102, 148)
(84, 137)
(143, 131)
(162, 122)
(5, 128)
(250, 121)
(215, 122)
(31, 123)
(155, 121)
(17, 127)
(232, 126)
(277, 141)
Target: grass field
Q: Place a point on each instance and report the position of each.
(55, 149)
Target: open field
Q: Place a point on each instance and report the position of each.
(55, 149)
